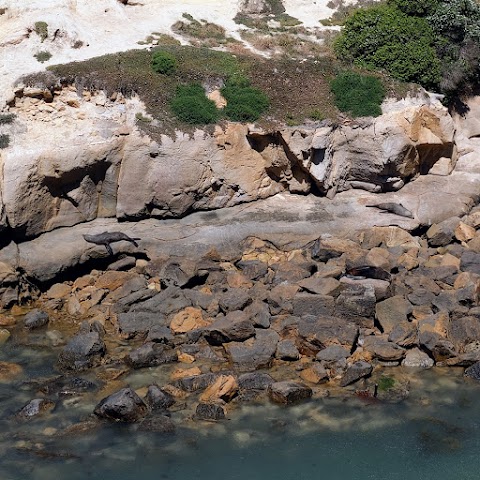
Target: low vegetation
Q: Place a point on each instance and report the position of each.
(435, 43)
(41, 29)
(244, 102)
(164, 62)
(43, 56)
(6, 118)
(293, 89)
(4, 140)
(192, 106)
(358, 95)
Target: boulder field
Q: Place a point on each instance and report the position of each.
(239, 289)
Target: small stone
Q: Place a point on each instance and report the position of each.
(315, 374)
(415, 358)
(124, 406)
(59, 290)
(36, 319)
(287, 350)
(36, 407)
(158, 399)
(185, 358)
(391, 312)
(288, 392)
(185, 373)
(355, 372)
(9, 371)
(209, 411)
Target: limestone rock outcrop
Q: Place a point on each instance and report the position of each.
(79, 155)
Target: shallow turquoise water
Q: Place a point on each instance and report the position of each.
(434, 434)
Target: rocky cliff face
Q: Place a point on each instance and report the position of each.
(78, 156)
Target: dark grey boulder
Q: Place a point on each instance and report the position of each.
(196, 382)
(255, 381)
(464, 330)
(259, 314)
(164, 303)
(65, 386)
(234, 299)
(254, 354)
(355, 372)
(470, 262)
(234, 327)
(383, 349)
(150, 354)
(36, 407)
(158, 399)
(311, 304)
(287, 350)
(288, 392)
(84, 350)
(442, 233)
(440, 348)
(123, 406)
(473, 371)
(135, 323)
(333, 353)
(209, 411)
(36, 319)
(160, 334)
(404, 334)
(357, 302)
(253, 269)
(125, 263)
(320, 331)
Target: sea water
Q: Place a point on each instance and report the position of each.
(433, 434)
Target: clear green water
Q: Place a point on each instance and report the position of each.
(434, 434)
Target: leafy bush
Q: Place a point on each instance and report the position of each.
(191, 105)
(43, 56)
(244, 103)
(4, 140)
(164, 63)
(41, 29)
(419, 8)
(384, 37)
(6, 118)
(359, 95)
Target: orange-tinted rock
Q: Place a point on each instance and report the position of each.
(188, 319)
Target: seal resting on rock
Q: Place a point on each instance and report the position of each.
(106, 238)
(396, 208)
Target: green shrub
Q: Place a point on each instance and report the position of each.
(419, 8)
(6, 118)
(384, 37)
(191, 105)
(164, 63)
(359, 95)
(244, 103)
(41, 29)
(43, 56)
(4, 140)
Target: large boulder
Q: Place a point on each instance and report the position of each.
(124, 406)
(288, 392)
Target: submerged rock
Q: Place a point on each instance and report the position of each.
(209, 411)
(124, 406)
(35, 319)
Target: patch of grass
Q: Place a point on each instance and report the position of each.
(192, 106)
(286, 20)
(4, 140)
(139, 117)
(43, 56)
(77, 44)
(6, 118)
(209, 34)
(359, 95)
(316, 115)
(41, 29)
(164, 62)
(385, 383)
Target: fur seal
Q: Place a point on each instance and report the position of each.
(395, 208)
(106, 238)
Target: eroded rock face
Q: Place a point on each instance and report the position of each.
(42, 189)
